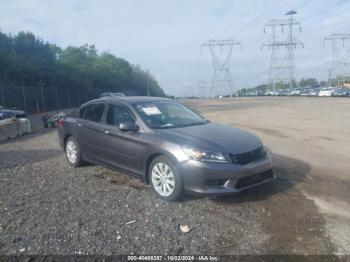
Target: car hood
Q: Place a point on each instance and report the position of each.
(212, 137)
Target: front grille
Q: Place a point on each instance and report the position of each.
(255, 179)
(248, 157)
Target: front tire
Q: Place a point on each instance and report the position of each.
(165, 180)
(73, 152)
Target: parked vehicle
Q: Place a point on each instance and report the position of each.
(54, 120)
(328, 91)
(271, 93)
(283, 92)
(251, 94)
(111, 94)
(295, 92)
(167, 145)
(343, 92)
(304, 92)
(4, 115)
(11, 113)
(314, 92)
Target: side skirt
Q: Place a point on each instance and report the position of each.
(99, 163)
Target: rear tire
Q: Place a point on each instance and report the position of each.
(165, 180)
(73, 152)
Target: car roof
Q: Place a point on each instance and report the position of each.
(129, 99)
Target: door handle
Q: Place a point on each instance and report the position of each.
(106, 132)
(79, 124)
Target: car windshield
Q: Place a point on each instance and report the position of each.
(168, 114)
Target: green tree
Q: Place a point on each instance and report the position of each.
(312, 82)
(65, 77)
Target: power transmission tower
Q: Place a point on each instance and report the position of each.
(202, 89)
(189, 89)
(340, 67)
(222, 83)
(278, 69)
(282, 65)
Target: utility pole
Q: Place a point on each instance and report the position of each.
(222, 82)
(53, 84)
(78, 94)
(273, 57)
(69, 102)
(2, 93)
(330, 77)
(57, 102)
(282, 66)
(340, 67)
(291, 47)
(42, 95)
(24, 96)
(148, 86)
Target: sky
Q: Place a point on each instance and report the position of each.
(165, 36)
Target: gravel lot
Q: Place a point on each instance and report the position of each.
(47, 207)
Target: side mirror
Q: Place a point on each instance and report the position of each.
(128, 126)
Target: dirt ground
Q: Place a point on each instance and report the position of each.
(47, 207)
(315, 133)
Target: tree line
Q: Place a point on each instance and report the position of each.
(36, 75)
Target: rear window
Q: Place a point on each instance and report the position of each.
(94, 112)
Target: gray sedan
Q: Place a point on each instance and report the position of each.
(167, 145)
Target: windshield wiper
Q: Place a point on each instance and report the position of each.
(164, 127)
(179, 126)
(193, 124)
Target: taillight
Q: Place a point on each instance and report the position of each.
(60, 122)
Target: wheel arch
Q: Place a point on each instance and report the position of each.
(65, 138)
(151, 158)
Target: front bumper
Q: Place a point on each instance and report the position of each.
(225, 178)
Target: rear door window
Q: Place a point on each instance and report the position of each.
(94, 112)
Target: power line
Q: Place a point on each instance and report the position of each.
(251, 6)
(268, 10)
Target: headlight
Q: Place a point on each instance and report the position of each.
(205, 156)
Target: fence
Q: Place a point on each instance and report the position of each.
(43, 98)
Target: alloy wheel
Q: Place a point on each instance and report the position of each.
(71, 151)
(163, 179)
